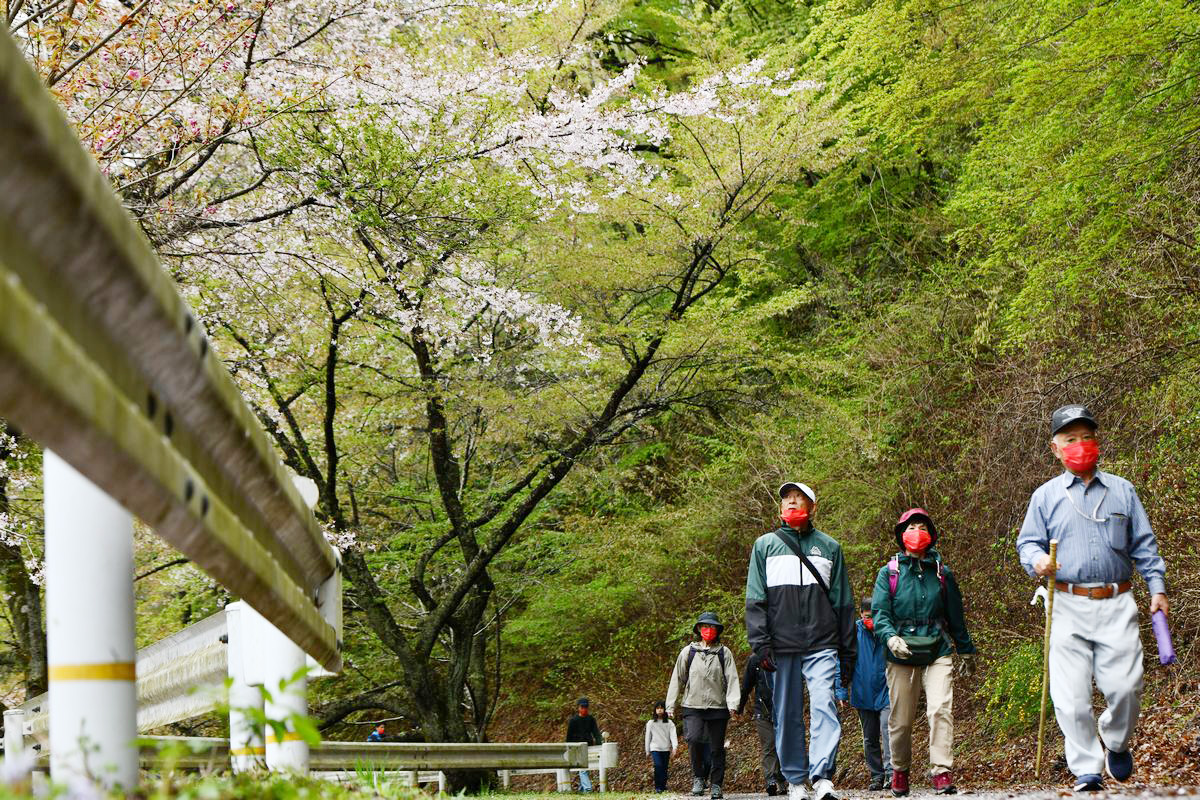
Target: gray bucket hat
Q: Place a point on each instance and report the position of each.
(708, 618)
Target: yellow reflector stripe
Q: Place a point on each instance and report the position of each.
(248, 751)
(119, 671)
(290, 736)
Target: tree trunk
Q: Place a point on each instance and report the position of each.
(24, 597)
(25, 610)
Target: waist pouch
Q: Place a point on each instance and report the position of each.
(924, 648)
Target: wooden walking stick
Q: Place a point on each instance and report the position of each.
(1037, 764)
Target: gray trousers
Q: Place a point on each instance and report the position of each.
(770, 761)
(1095, 639)
(877, 745)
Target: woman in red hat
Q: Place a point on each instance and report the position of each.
(919, 616)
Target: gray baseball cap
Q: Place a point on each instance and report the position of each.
(1064, 416)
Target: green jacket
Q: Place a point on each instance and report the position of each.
(786, 607)
(917, 609)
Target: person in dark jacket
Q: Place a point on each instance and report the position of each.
(918, 614)
(582, 727)
(800, 621)
(756, 679)
(869, 696)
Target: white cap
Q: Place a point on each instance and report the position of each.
(805, 490)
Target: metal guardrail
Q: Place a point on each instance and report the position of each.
(200, 752)
(601, 758)
(440, 756)
(102, 361)
(178, 678)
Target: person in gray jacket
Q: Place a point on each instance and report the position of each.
(705, 681)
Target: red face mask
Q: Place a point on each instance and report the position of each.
(708, 633)
(917, 541)
(869, 623)
(583, 711)
(795, 518)
(1080, 456)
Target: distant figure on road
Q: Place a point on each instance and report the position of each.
(918, 614)
(582, 727)
(661, 744)
(705, 679)
(1103, 533)
(869, 696)
(756, 679)
(800, 621)
(377, 734)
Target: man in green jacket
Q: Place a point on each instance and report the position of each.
(800, 623)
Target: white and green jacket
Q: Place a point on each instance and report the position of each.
(786, 607)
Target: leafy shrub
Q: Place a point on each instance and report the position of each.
(1014, 691)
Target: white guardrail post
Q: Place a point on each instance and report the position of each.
(285, 670)
(14, 742)
(89, 630)
(247, 751)
(607, 760)
(286, 681)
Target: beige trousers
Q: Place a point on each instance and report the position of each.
(1095, 639)
(904, 688)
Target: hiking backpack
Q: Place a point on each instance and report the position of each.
(893, 567)
(687, 669)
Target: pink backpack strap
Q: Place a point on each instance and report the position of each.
(893, 575)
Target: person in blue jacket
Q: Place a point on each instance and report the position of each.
(869, 696)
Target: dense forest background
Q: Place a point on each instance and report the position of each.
(901, 235)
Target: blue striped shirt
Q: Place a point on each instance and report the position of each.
(1102, 530)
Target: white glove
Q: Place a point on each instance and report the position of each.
(898, 647)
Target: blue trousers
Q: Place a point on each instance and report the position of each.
(661, 759)
(796, 673)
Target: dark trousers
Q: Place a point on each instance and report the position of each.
(694, 729)
(875, 743)
(770, 761)
(704, 753)
(661, 758)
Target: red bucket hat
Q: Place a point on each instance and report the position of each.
(907, 516)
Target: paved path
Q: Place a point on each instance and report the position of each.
(1131, 791)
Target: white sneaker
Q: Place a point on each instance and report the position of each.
(823, 789)
(796, 791)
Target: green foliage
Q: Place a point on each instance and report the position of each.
(1015, 228)
(1013, 691)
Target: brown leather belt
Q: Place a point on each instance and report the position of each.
(1094, 592)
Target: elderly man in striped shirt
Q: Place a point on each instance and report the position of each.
(1103, 534)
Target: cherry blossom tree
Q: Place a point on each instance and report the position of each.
(484, 295)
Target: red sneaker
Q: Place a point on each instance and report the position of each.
(899, 783)
(943, 783)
